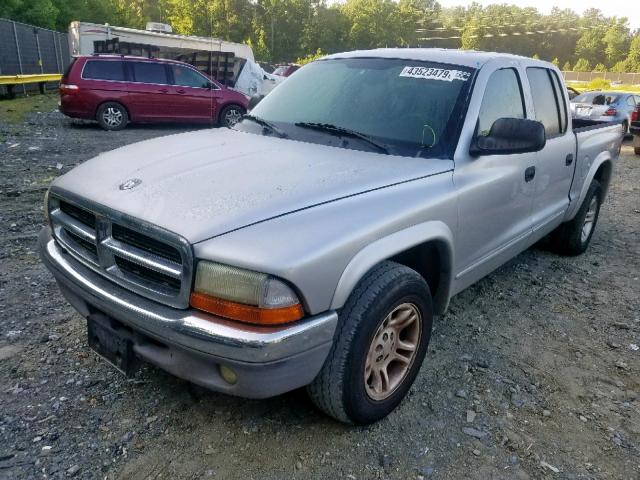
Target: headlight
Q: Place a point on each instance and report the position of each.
(244, 295)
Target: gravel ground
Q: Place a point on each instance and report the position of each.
(533, 372)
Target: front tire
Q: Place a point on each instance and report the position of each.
(379, 346)
(573, 238)
(112, 116)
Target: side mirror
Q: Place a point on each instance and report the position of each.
(254, 100)
(510, 135)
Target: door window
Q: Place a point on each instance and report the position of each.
(562, 103)
(502, 99)
(186, 77)
(544, 100)
(149, 72)
(104, 70)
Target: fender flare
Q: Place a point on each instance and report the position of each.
(595, 165)
(393, 244)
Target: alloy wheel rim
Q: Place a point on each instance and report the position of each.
(112, 117)
(392, 351)
(232, 117)
(589, 219)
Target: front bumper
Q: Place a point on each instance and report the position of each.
(193, 345)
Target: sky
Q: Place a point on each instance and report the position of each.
(618, 8)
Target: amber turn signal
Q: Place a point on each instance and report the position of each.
(246, 313)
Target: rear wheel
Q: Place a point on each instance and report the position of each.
(573, 238)
(112, 116)
(230, 115)
(625, 128)
(379, 346)
(636, 150)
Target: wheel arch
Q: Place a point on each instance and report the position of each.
(426, 248)
(601, 170)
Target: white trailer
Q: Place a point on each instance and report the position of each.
(230, 63)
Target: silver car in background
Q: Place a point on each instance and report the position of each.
(605, 107)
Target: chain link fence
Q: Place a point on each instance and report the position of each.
(25, 49)
(626, 78)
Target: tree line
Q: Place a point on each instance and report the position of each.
(289, 30)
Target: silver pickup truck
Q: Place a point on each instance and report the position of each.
(314, 242)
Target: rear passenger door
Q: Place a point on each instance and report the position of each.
(149, 91)
(556, 162)
(192, 94)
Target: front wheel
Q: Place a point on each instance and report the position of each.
(112, 116)
(379, 346)
(230, 115)
(573, 238)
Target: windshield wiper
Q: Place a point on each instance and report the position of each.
(339, 131)
(268, 125)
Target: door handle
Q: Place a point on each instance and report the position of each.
(181, 91)
(569, 160)
(163, 90)
(529, 173)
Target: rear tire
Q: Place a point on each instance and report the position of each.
(636, 150)
(112, 116)
(385, 325)
(573, 238)
(230, 115)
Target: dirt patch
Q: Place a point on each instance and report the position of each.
(531, 374)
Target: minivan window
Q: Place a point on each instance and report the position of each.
(544, 100)
(185, 77)
(149, 72)
(104, 70)
(502, 99)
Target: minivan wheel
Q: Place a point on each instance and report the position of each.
(378, 348)
(112, 116)
(230, 115)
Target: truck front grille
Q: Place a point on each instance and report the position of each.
(140, 257)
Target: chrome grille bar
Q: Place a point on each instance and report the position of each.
(73, 225)
(142, 258)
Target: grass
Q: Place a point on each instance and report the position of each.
(16, 110)
(602, 84)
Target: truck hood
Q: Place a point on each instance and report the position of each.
(209, 182)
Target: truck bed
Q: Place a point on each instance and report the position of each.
(583, 124)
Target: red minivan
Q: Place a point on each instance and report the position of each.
(116, 90)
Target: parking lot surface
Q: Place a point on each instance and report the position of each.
(533, 373)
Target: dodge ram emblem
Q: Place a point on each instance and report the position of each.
(131, 183)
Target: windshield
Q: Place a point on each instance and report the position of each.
(407, 106)
(596, 98)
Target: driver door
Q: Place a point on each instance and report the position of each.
(495, 192)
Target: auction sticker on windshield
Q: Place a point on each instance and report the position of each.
(429, 73)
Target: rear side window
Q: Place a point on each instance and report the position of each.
(631, 102)
(185, 77)
(544, 100)
(104, 70)
(502, 99)
(562, 104)
(149, 72)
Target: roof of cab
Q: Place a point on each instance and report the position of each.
(467, 58)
